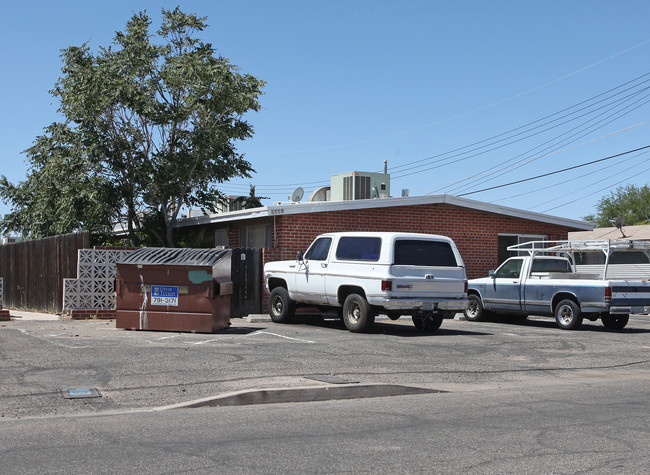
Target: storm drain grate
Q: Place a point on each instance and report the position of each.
(77, 393)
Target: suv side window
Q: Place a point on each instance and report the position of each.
(319, 250)
(416, 252)
(510, 268)
(358, 248)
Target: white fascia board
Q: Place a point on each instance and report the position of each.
(517, 213)
(324, 206)
(225, 217)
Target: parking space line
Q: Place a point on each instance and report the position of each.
(281, 336)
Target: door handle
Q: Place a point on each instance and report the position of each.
(323, 265)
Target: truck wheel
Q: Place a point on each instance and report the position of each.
(427, 323)
(281, 308)
(615, 322)
(474, 311)
(357, 314)
(567, 315)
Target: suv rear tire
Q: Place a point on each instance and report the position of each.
(358, 315)
(427, 323)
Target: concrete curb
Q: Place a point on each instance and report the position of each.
(303, 394)
(259, 318)
(23, 315)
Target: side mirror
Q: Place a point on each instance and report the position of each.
(491, 273)
(299, 256)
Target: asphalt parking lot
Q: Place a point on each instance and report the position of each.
(141, 369)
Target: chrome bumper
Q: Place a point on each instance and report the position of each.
(425, 305)
(639, 310)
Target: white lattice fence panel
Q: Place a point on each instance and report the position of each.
(94, 286)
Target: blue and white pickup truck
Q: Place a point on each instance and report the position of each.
(545, 283)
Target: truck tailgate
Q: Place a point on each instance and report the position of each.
(428, 282)
(630, 293)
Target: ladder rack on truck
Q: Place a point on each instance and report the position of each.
(569, 248)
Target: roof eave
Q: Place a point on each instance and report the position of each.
(280, 209)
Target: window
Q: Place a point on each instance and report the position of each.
(627, 257)
(424, 253)
(221, 238)
(319, 250)
(358, 248)
(506, 240)
(255, 236)
(510, 269)
(550, 265)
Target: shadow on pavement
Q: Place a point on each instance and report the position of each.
(548, 322)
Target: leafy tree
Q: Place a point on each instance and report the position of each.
(158, 122)
(64, 191)
(630, 202)
(250, 201)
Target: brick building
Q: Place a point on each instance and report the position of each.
(482, 231)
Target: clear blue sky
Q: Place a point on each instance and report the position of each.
(353, 83)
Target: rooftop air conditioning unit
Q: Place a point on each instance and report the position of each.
(360, 186)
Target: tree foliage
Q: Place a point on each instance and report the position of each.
(64, 191)
(250, 201)
(630, 202)
(156, 122)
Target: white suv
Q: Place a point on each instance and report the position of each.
(361, 274)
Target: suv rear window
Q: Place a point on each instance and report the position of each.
(424, 253)
(358, 248)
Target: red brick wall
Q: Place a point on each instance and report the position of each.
(233, 237)
(85, 314)
(474, 232)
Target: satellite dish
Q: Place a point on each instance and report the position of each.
(619, 223)
(297, 194)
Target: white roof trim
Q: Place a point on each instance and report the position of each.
(322, 206)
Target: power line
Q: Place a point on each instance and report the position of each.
(464, 114)
(597, 191)
(512, 136)
(492, 141)
(555, 152)
(580, 131)
(554, 172)
(567, 181)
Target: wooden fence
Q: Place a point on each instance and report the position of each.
(33, 271)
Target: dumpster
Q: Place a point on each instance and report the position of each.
(184, 290)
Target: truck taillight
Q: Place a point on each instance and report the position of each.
(387, 285)
(608, 294)
(466, 286)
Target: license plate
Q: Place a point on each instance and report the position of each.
(428, 306)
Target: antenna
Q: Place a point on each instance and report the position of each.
(619, 223)
(297, 194)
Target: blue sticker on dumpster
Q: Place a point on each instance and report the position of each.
(164, 295)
